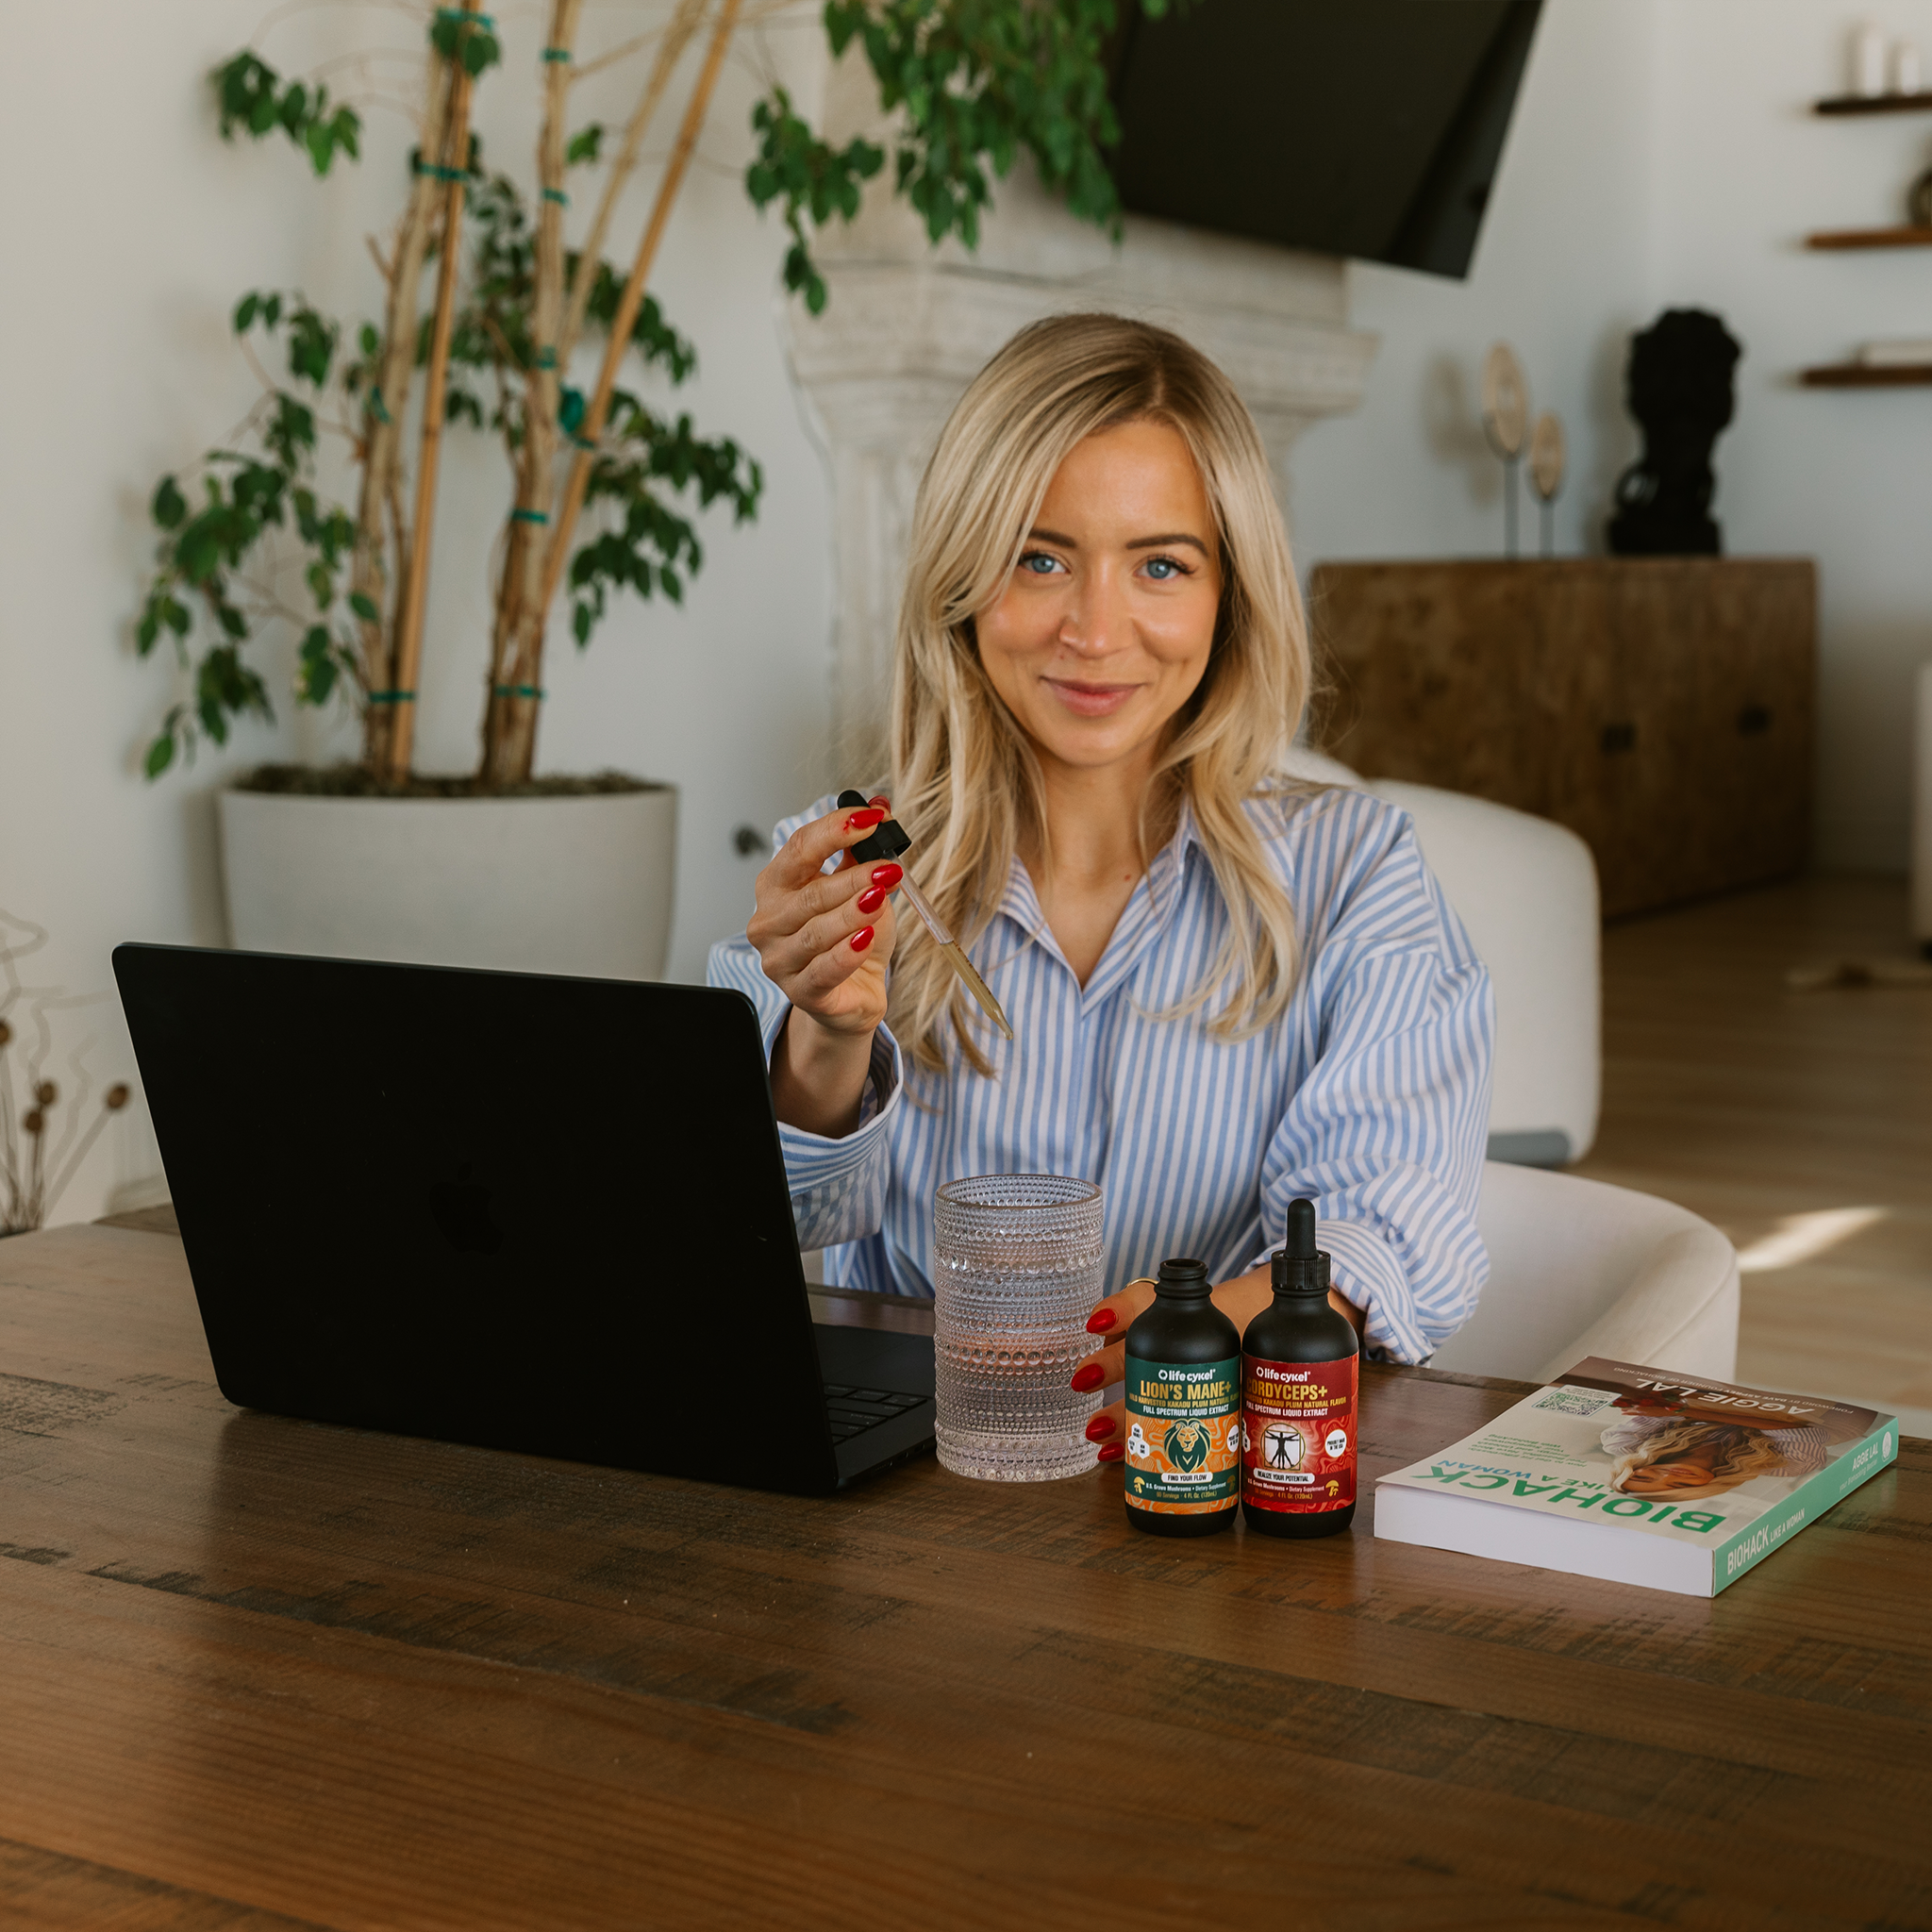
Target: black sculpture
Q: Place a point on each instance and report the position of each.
(1678, 386)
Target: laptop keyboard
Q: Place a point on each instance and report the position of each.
(852, 1411)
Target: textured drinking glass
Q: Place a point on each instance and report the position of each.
(1016, 1272)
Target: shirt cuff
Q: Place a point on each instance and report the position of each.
(823, 1169)
(1367, 1273)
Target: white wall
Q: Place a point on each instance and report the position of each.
(1661, 154)
(1562, 271)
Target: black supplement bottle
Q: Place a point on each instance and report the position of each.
(1299, 1362)
(1183, 1469)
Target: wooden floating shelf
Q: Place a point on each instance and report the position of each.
(1920, 103)
(1867, 375)
(1902, 236)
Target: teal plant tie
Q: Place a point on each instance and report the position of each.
(437, 172)
(546, 359)
(558, 53)
(557, 195)
(391, 697)
(570, 412)
(377, 408)
(516, 690)
(529, 516)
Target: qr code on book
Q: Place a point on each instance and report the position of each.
(1574, 1400)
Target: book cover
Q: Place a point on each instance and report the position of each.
(1639, 1475)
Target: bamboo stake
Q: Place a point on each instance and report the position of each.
(563, 520)
(408, 643)
(508, 695)
(381, 455)
(678, 33)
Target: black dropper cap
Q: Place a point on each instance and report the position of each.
(1298, 1266)
(887, 843)
(1182, 1275)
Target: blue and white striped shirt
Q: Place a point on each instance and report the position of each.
(1370, 1094)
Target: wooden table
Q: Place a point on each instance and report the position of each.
(257, 1672)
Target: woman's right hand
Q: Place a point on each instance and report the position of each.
(825, 940)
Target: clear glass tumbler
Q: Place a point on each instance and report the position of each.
(1017, 1268)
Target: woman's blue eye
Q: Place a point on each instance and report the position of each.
(1038, 563)
(1164, 570)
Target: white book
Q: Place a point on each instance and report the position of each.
(1639, 1475)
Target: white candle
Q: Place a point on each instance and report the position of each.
(1905, 68)
(1868, 58)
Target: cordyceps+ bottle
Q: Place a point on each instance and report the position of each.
(1299, 1362)
(1183, 1466)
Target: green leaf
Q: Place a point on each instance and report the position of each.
(169, 506)
(369, 339)
(160, 755)
(364, 607)
(244, 313)
(319, 667)
(584, 145)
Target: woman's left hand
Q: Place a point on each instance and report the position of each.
(1241, 1300)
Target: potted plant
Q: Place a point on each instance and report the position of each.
(528, 337)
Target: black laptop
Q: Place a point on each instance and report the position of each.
(534, 1213)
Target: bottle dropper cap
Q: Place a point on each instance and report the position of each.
(887, 843)
(1298, 1266)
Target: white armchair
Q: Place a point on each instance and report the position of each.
(1526, 891)
(1577, 1269)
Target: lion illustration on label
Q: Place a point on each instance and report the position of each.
(1186, 1446)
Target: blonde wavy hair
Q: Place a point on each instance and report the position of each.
(966, 782)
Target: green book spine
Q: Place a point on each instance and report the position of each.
(1806, 1504)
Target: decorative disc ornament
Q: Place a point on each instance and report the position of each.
(1505, 401)
(1546, 456)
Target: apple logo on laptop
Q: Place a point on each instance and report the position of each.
(461, 1208)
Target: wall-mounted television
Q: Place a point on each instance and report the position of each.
(1362, 127)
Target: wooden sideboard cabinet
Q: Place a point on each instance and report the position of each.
(1662, 708)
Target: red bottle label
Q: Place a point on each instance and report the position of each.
(1298, 1435)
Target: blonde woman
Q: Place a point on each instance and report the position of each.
(1227, 988)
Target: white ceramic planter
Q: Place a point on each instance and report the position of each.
(532, 885)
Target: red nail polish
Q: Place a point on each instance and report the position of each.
(1111, 1452)
(1088, 1376)
(887, 875)
(1100, 1320)
(861, 938)
(863, 821)
(872, 900)
(1100, 1428)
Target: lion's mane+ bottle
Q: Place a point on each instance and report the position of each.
(1299, 1374)
(1182, 1471)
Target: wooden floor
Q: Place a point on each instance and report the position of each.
(1801, 1124)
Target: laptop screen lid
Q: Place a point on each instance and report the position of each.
(534, 1213)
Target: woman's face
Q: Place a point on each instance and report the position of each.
(1104, 628)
